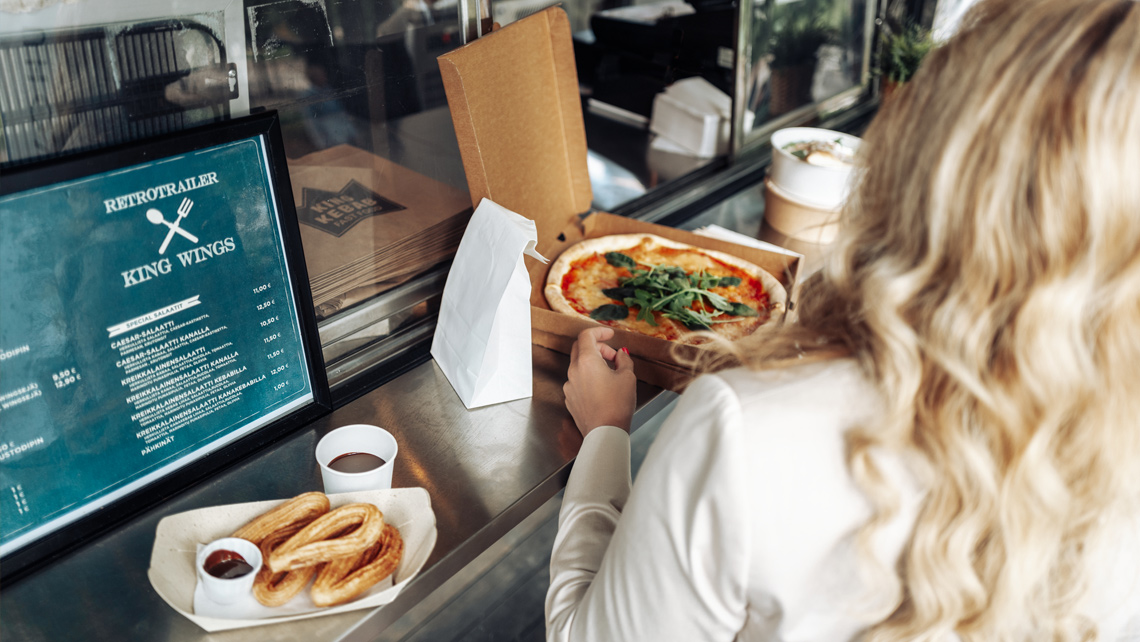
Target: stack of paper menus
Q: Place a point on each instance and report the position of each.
(368, 224)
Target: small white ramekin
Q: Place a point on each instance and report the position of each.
(228, 591)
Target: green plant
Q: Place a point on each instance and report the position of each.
(903, 51)
(799, 29)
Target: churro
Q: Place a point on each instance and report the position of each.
(341, 532)
(343, 579)
(275, 589)
(291, 515)
(272, 529)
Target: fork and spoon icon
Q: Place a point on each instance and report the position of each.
(156, 217)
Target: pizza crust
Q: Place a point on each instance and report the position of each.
(777, 296)
(581, 250)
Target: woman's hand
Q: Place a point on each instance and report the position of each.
(601, 389)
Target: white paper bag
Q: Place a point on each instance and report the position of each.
(482, 340)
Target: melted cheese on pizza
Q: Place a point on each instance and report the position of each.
(583, 284)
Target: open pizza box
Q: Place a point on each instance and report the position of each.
(514, 100)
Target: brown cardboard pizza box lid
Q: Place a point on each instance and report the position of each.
(507, 90)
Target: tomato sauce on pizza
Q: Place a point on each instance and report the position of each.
(686, 288)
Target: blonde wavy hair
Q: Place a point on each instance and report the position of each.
(988, 279)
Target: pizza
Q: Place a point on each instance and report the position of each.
(662, 288)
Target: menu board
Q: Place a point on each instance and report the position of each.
(147, 318)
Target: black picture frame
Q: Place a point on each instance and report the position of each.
(193, 469)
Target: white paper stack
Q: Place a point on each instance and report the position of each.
(724, 234)
(692, 117)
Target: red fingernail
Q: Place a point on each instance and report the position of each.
(626, 351)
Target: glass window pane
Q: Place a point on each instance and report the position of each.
(644, 129)
(803, 52)
(375, 166)
(95, 81)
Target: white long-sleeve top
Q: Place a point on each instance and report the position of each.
(741, 525)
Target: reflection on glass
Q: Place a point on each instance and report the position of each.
(803, 52)
(644, 129)
(374, 163)
(83, 87)
(345, 73)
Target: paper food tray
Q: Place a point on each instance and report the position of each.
(177, 537)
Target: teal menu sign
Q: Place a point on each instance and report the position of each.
(146, 319)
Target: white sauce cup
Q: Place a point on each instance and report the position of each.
(228, 591)
(357, 438)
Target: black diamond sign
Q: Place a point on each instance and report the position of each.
(337, 212)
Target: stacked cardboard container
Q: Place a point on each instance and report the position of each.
(368, 224)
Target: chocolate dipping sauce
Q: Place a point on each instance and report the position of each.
(226, 565)
(356, 463)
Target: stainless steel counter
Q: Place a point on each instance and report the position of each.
(486, 470)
